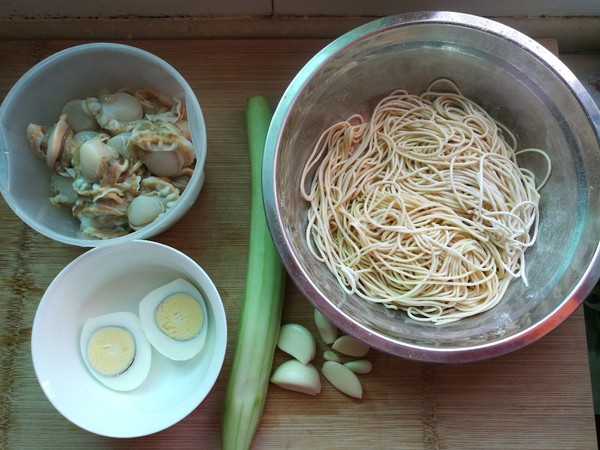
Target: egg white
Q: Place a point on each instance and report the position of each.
(137, 372)
(169, 347)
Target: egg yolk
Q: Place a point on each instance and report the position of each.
(111, 350)
(179, 316)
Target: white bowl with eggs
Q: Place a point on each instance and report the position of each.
(44, 154)
(118, 286)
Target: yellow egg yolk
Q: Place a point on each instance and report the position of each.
(179, 316)
(111, 350)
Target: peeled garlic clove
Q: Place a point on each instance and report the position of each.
(326, 329)
(295, 376)
(359, 366)
(143, 210)
(328, 355)
(342, 378)
(297, 341)
(350, 346)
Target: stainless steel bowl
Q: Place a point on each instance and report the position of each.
(523, 85)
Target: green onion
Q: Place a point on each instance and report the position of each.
(260, 319)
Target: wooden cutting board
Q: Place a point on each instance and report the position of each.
(538, 397)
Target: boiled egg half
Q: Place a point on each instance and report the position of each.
(116, 350)
(175, 319)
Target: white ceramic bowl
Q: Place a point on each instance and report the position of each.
(38, 97)
(127, 273)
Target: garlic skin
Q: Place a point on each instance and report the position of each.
(295, 376)
(342, 378)
(297, 341)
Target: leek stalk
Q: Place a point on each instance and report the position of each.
(260, 319)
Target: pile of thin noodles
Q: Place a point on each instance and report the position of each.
(423, 207)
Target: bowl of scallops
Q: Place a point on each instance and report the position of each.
(102, 143)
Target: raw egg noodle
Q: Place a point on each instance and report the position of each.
(423, 207)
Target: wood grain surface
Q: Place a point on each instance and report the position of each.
(538, 397)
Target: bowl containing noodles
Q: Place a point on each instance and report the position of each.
(430, 182)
